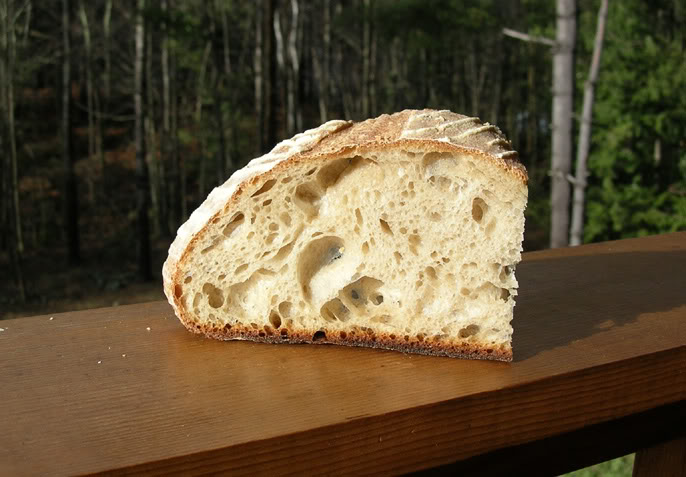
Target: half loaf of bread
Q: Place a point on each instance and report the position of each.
(400, 232)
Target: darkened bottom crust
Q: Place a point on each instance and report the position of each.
(430, 346)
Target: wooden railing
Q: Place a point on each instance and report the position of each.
(599, 371)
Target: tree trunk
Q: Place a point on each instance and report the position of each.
(173, 201)
(225, 38)
(372, 69)
(142, 181)
(83, 18)
(10, 184)
(103, 101)
(107, 77)
(323, 68)
(271, 93)
(563, 108)
(282, 71)
(258, 63)
(202, 180)
(294, 33)
(576, 235)
(221, 69)
(178, 163)
(155, 170)
(71, 206)
(11, 128)
(366, 36)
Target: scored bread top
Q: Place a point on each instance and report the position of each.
(426, 129)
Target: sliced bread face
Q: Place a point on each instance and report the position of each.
(400, 232)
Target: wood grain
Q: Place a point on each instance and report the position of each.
(600, 334)
(666, 458)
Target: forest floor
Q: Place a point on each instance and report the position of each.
(104, 278)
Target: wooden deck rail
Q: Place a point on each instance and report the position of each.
(599, 371)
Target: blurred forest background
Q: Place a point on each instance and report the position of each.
(118, 118)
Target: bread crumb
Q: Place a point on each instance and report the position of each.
(148, 328)
(99, 362)
(52, 318)
(2, 329)
(123, 355)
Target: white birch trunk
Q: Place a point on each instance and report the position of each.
(577, 230)
(563, 108)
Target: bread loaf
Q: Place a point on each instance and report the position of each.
(400, 232)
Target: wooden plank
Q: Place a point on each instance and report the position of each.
(665, 458)
(575, 450)
(599, 334)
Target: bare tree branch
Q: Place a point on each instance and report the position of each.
(526, 37)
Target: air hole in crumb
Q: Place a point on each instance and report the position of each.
(335, 310)
(343, 335)
(286, 180)
(490, 227)
(414, 240)
(178, 291)
(468, 331)
(431, 272)
(307, 197)
(310, 172)
(285, 218)
(215, 297)
(273, 226)
(445, 260)
(275, 319)
(377, 300)
(479, 209)
(465, 291)
(221, 276)
(188, 279)
(265, 187)
(420, 337)
(241, 268)
(283, 252)
(285, 308)
(504, 294)
(365, 248)
(435, 217)
(358, 217)
(319, 336)
(403, 230)
(270, 238)
(253, 325)
(385, 227)
(398, 256)
(266, 202)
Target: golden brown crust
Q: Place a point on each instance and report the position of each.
(423, 131)
(430, 346)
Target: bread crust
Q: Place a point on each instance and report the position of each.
(422, 131)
